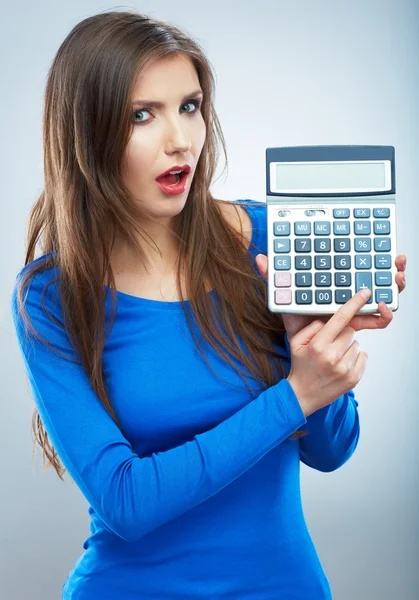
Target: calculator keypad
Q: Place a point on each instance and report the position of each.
(325, 261)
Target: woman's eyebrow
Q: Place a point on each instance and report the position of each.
(156, 104)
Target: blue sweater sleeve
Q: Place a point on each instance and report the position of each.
(334, 429)
(133, 495)
(333, 432)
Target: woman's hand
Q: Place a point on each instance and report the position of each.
(326, 361)
(294, 323)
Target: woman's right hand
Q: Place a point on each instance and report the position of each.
(325, 358)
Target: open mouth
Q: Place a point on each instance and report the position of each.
(172, 179)
(173, 184)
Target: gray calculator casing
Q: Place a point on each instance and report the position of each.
(315, 210)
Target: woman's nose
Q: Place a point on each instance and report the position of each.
(178, 139)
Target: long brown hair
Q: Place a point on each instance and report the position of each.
(86, 126)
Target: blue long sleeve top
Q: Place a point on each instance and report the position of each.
(199, 497)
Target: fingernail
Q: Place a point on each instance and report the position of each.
(365, 293)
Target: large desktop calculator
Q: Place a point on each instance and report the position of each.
(331, 223)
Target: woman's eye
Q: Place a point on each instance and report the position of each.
(195, 103)
(143, 110)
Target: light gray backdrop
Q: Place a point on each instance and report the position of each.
(288, 73)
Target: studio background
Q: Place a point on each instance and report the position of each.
(287, 73)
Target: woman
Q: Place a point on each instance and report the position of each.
(161, 380)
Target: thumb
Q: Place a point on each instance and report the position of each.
(305, 335)
(262, 264)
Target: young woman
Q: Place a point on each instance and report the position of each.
(177, 402)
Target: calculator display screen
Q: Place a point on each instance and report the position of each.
(339, 177)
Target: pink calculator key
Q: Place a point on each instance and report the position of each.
(283, 296)
(282, 279)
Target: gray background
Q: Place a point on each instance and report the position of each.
(288, 73)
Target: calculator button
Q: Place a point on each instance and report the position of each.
(282, 245)
(303, 263)
(362, 281)
(302, 228)
(323, 279)
(323, 296)
(322, 245)
(343, 279)
(282, 228)
(303, 245)
(304, 296)
(363, 244)
(382, 261)
(282, 279)
(382, 227)
(342, 262)
(382, 279)
(362, 213)
(283, 296)
(384, 296)
(363, 262)
(282, 263)
(362, 227)
(382, 244)
(332, 282)
(342, 296)
(303, 279)
(342, 245)
(323, 262)
(341, 228)
(322, 228)
(341, 213)
(381, 212)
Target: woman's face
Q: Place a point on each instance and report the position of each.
(165, 136)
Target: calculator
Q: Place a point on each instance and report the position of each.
(331, 227)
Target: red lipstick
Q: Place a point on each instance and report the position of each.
(185, 168)
(173, 184)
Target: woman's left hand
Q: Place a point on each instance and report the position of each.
(294, 323)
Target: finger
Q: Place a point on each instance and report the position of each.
(358, 360)
(262, 264)
(342, 317)
(345, 339)
(380, 321)
(350, 351)
(401, 281)
(400, 262)
(304, 336)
